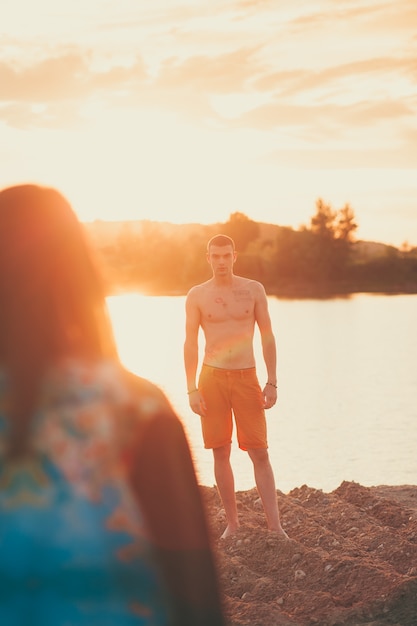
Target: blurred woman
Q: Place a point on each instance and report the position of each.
(101, 517)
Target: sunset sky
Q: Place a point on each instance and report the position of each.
(188, 111)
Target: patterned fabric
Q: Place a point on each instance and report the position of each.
(73, 549)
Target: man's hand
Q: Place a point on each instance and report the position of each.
(270, 394)
(197, 403)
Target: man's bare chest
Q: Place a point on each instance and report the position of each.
(227, 305)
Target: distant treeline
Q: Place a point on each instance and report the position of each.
(317, 260)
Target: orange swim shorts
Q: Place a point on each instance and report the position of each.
(229, 393)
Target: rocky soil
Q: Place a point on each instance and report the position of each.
(351, 559)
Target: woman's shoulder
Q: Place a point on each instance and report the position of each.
(146, 394)
(137, 385)
(123, 387)
(104, 382)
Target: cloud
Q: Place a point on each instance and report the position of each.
(255, 57)
(53, 78)
(326, 14)
(224, 73)
(179, 85)
(404, 157)
(49, 91)
(290, 83)
(61, 78)
(325, 118)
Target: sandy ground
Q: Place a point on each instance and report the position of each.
(351, 559)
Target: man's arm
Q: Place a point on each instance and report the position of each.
(192, 326)
(269, 350)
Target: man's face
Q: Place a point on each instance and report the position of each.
(221, 259)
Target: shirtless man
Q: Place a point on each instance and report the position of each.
(227, 307)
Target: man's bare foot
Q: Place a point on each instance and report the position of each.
(281, 534)
(229, 531)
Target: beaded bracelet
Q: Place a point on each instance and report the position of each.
(272, 385)
(192, 391)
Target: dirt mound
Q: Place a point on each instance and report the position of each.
(351, 559)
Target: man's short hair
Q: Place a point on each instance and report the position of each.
(220, 240)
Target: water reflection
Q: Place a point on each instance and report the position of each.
(347, 385)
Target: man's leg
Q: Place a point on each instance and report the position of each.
(265, 483)
(226, 486)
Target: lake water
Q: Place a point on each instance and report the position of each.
(347, 370)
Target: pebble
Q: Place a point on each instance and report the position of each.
(299, 574)
(295, 557)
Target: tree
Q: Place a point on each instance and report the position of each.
(333, 231)
(242, 230)
(345, 224)
(330, 224)
(323, 221)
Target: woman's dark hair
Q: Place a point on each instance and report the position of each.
(52, 302)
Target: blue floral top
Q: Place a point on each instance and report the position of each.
(73, 542)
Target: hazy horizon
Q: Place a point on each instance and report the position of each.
(97, 222)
